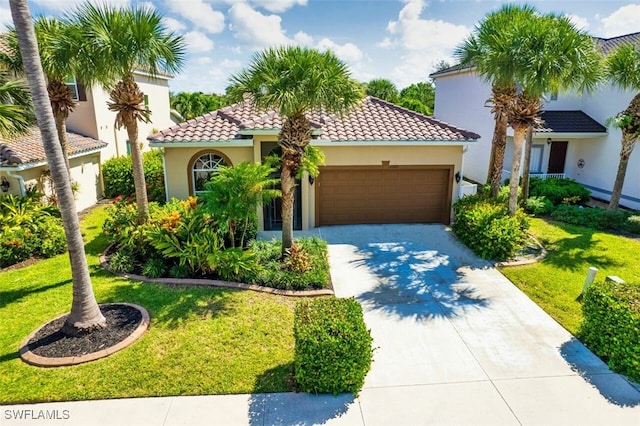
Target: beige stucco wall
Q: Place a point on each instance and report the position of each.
(85, 171)
(92, 117)
(177, 162)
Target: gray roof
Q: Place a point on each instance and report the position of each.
(373, 120)
(569, 122)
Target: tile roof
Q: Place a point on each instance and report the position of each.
(374, 120)
(608, 45)
(28, 148)
(569, 122)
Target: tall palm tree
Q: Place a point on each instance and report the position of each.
(120, 40)
(485, 50)
(85, 314)
(535, 54)
(623, 70)
(383, 89)
(295, 81)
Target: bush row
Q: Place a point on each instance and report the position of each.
(611, 326)
(485, 226)
(29, 228)
(117, 174)
(333, 349)
(559, 190)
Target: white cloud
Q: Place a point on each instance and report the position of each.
(65, 5)
(198, 42)
(173, 24)
(424, 42)
(278, 6)
(348, 52)
(580, 22)
(256, 29)
(303, 38)
(625, 20)
(199, 13)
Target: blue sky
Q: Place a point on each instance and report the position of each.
(400, 40)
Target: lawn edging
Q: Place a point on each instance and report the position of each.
(525, 260)
(204, 282)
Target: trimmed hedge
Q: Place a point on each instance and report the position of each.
(118, 176)
(594, 217)
(611, 326)
(333, 349)
(485, 226)
(559, 191)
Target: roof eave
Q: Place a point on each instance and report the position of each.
(240, 143)
(39, 163)
(389, 142)
(570, 135)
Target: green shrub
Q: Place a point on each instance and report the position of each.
(611, 326)
(235, 264)
(333, 349)
(538, 206)
(593, 217)
(632, 224)
(117, 174)
(122, 261)
(179, 271)
(52, 237)
(15, 246)
(154, 268)
(274, 274)
(485, 226)
(559, 191)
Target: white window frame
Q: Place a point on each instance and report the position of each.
(211, 162)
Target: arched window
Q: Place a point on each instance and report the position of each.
(203, 167)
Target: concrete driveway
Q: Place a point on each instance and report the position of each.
(458, 343)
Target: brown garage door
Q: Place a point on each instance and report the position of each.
(401, 194)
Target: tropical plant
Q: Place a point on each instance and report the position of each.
(234, 194)
(85, 315)
(194, 104)
(121, 40)
(16, 114)
(117, 173)
(531, 54)
(294, 81)
(418, 97)
(623, 70)
(384, 89)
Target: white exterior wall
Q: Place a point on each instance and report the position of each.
(459, 100)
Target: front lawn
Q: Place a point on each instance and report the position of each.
(555, 283)
(201, 340)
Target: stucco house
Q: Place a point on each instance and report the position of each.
(573, 142)
(23, 163)
(384, 163)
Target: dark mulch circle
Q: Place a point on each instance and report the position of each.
(50, 342)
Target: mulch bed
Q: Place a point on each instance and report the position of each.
(50, 342)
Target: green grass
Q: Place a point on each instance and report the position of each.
(201, 341)
(555, 283)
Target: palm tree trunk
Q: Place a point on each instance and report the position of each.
(287, 181)
(499, 145)
(61, 127)
(138, 172)
(85, 313)
(518, 141)
(628, 142)
(527, 164)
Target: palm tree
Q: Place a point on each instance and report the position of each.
(16, 114)
(119, 41)
(383, 89)
(534, 54)
(85, 314)
(295, 81)
(623, 70)
(484, 50)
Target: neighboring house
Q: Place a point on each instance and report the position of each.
(23, 164)
(573, 142)
(384, 163)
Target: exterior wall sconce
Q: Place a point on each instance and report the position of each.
(458, 177)
(4, 184)
(548, 141)
(311, 180)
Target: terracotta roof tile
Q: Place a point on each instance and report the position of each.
(28, 148)
(374, 120)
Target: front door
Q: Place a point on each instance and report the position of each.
(273, 211)
(557, 157)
